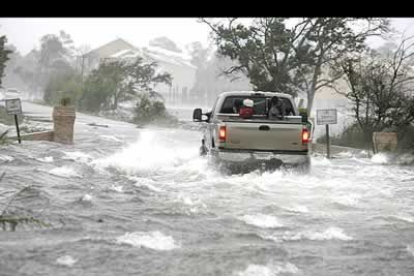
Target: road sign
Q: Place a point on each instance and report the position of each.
(326, 116)
(13, 106)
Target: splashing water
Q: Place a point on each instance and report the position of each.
(153, 240)
(379, 158)
(150, 155)
(332, 233)
(262, 221)
(269, 270)
(66, 260)
(66, 172)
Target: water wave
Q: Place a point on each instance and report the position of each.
(153, 240)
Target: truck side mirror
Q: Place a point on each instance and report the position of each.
(197, 115)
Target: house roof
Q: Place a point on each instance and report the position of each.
(112, 48)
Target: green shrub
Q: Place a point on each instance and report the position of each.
(63, 86)
(352, 136)
(149, 109)
(65, 101)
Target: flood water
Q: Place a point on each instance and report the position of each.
(130, 201)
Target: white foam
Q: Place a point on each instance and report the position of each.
(64, 171)
(195, 204)
(6, 158)
(110, 138)
(188, 200)
(47, 159)
(321, 162)
(66, 260)
(153, 240)
(350, 200)
(346, 154)
(297, 209)
(359, 160)
(78, 156)
(269, 270)
(404, 218)
(146, 183)
(87, 197)
(116, 188)
(379, 158)
(332, 233)
(270, 237)
(261, 220)
(410, 249)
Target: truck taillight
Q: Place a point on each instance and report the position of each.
(222, 134)
(305, 136)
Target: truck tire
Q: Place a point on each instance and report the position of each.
(305, 167)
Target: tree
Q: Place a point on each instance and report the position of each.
(51, 49)
(55, 57)
(4, 56)
(67, 85)
(11, 79)
(292, 60)
(143, 76)
(82, 57)
(199, 54)
(381, 86)
(121, 80)
(27, 70)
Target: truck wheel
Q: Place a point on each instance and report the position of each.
(305, 167)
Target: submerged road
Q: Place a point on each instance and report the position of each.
(130, 201)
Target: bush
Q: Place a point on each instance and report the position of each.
(63, 86)
(406, 138)
(149, 109)
(65, 101)
(303, 110)
(352, 136)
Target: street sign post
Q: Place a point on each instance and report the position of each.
(14, 107)
(327, 117)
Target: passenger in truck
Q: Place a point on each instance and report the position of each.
(246, 111)
(277, 109)
(237, 104)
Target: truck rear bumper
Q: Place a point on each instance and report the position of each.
(243, 156)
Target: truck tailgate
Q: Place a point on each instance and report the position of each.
(264, 136)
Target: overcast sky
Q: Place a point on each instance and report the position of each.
(25, 33)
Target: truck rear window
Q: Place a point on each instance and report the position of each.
(261, 105)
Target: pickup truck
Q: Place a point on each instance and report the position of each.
(244, 144)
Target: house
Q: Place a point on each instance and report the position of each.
(110, 49)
